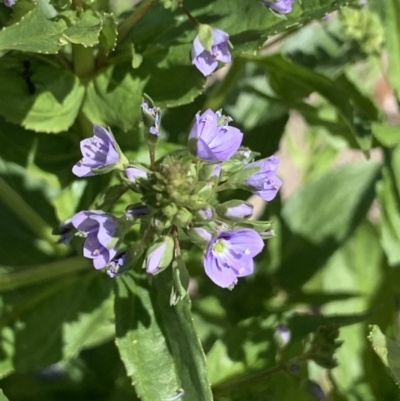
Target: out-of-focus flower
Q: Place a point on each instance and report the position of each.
(264, 182)
(66, 230)
(230, 255)
(101, 230)
(100, 154)
(280, 6)
(206, 60)
(9, 3)
(152, 117)
(136, 210)
(212, 142)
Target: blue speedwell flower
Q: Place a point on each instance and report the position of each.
(9, 3)
(100, 230)
(230, 255)
(280, 6)
(212, 142)
(100, 151)
(206, 62)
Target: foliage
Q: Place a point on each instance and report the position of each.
(311, 86)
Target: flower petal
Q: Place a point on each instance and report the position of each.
(219, 36)
(221, 276)
(244, 240)
(226, 143)
(205, 63)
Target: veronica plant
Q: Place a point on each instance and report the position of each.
(179, 193)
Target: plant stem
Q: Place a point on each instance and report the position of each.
(152, 153)
(83, 60)
(134, 18)
(230, 386)
(187, 12)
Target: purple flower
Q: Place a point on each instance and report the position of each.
(239, 211)
(133, 173)
(100, 230)
(264, 182)
(136, 210)
(212, 142)
(99, 152)
(230, 255)
(280, 6)
(66, 230)
(9, 3)
(206, 62)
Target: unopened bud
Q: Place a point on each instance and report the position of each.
(136, 211)
(235, 210)
(201, 236)
(210, 172)
(170, 210)
(159, 255)
(134, 173)
(183, 217)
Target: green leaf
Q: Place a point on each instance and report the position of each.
(388, 352)
(34, 32)
(337, 200)
(114, 97)
(109, 32)
(73, 313)
(39, 95)
(387, 135)
(388, 195)
(392, 26)
(293, 81)
(85, 30)
(2, 396)
(158, 342)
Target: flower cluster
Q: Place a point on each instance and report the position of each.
(178, 194)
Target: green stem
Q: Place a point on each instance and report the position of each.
(37, 274)
(83, 60)
(221, 92)
(237, 384)
(134, 18)
(27, 214)
(187, 12)
(152, 153)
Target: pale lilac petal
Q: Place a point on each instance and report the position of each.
(205, 63)
(222, 53)
(245, 240)
(101, 261)
(133, 173)
(219, 37)
(246, 267)
(203, 233)
(154, 259)
(226, 144)
(270, 189)
(82, 222)
(204, 152)
(243, 210)
(223, 277)
(80, 170)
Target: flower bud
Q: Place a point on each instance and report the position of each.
(161, 222)
(134, 173)
(159, 255)
(205, 190)
(183, 218)
(136, 211)
(204, 214)
(170, 210)
(235, 210)
(200, 236)
(210, 172)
